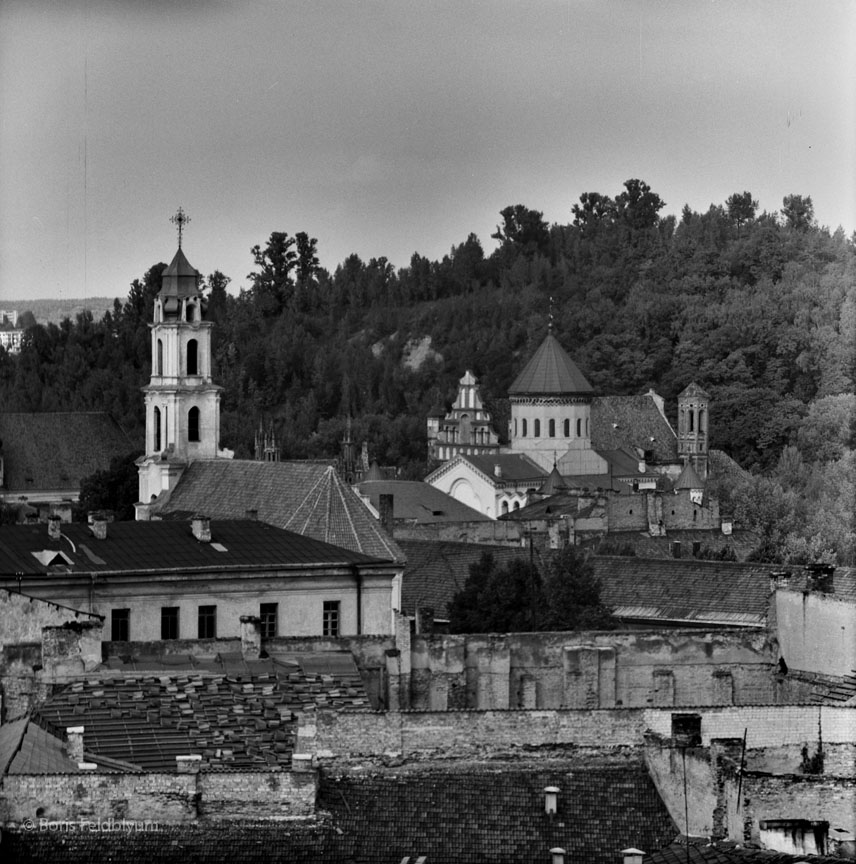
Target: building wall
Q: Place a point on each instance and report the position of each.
(157, 797)
(593, 669)
(817, 632)
(678, 512)
(300, 598)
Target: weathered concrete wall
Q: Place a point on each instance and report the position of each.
(677, 511)
(593, 669)
(669, 768)
(158, 797)
(499, 533)
(816, 632)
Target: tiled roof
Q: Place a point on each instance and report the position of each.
(476, 813)
(308, 498)
(552, 507)
(514, 467)
(11, 735)
(141, 546)
(230, 711)
(41, 753)
(55, 451)
(180, 278)
(689, 479)
(419, 502)
(467, 814)
(550, 371)
(621, 422)
(685, 590)
(436, 570)
(693, 389)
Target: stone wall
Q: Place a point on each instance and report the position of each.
(157, 797)
(817, 632)
(593, 669)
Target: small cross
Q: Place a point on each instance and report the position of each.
(181, 219)
(549, 325)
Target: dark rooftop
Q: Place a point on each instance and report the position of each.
(550, 371)
(419, 502)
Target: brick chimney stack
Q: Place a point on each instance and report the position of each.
(201, 527)
(54, 527)
(74, 743)
(386, 512)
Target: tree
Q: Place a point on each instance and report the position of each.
(115, 488)
(516, 598)
(593, 211)
(273, 285)
(798, 211)
(523, 230)
(741, 208)
(637, 207)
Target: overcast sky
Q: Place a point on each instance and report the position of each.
(384, 128)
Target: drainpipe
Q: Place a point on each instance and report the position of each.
(359, 578)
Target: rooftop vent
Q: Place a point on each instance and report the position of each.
(632, 856)
(201, 528)
(551, 799)
(557, 855)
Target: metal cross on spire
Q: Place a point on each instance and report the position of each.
(180, 219)
(550, 320)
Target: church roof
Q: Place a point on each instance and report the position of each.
(691, 390)
(308, 498)
(554, 483)
(418, 502)
(180, 279)
(689, 479)
(55, 451)
(632, 422)
(550, 370)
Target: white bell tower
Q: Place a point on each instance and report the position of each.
(182, 402)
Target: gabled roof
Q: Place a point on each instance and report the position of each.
(55, 451)
(550, 371)
(693, 390)
(632, 422)
(307, 498)
(419, 502)
(726, 852)
(436, 570)
(514, 467)
(685, 590)
(135, 547)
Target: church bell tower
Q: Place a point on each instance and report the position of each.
(182, 402)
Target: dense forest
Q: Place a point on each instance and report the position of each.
(759, 308)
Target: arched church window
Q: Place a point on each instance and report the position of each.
(702, 420)
(516, 505)
(692, 421)
(537, 428)
(193, 424)
(192, 358)
(579, 428)
(524, 427)
(515, 427)
(552, 428)
(157, 429)
(159, 361)
(505, 506)
(567, 428)
(189, 311)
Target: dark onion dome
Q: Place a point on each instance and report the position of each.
(550, 372)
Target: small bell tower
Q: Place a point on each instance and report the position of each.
(182, 402)
(693, 407)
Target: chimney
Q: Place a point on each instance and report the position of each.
(557, 855)
(632, 856)
(54, 525)
(386, 512)
(820, 578)
(201, 527)
(779, 579)
(251, 637)
(551, 799)
(74, 743)
(497, 471)
(98, 525)
(252, 515)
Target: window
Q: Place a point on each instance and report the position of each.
(193, 424)
(157, 429)
(120, 625)
(537, 428)
(579, 428)
(551, 428)
(159, 367)
(691, 418)
(331, 618)
(207, 622)
(686, 730)
(169, 622)
(192, 365)
(268, 615)
(515, 427)
(524, 427)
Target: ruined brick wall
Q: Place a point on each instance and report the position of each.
(677, 511)
(816, 632)
(593, 669)
(498, 533)
(158, 797)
